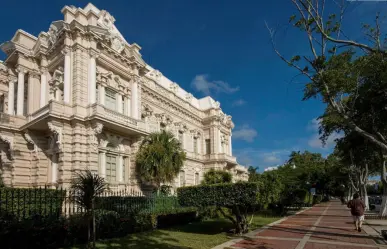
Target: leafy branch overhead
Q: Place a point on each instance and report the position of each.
(348, 76)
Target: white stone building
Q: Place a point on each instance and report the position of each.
(79, 96)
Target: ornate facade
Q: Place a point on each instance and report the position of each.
(80, 97)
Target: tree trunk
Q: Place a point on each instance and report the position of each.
(383, 207)
(365, 196)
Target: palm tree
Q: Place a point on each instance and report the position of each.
(160, 158)
(85, 187)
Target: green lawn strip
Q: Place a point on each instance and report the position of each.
(198, 235)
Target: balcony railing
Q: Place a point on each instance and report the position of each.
(221, 157)
(102, 112)
(193, 155)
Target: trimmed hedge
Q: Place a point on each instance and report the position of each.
(226, 195)
(25, 203)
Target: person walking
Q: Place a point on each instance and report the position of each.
(357, 207)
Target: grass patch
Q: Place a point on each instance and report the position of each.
(198, 235)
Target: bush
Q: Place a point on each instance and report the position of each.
(238, 197)
(317, 199)
(26, 203)
(145, 221)
(216, 177)
(212, 212)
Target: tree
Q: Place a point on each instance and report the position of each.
(348, 76)
(238, 197)
(216, 176)
(159, 159)
(86, 187)
(361, 159)
(253, 174)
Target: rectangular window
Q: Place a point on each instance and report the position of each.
(197, 178)
(195, 145)
(111, 165)
(182, 178)
(208, 146)
(110, 99)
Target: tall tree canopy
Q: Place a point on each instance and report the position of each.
(160, 158)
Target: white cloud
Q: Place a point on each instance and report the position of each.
(201, 83)
(262, 158)
(238, 102)
(315, 142)
(271, 168)
(245, 133)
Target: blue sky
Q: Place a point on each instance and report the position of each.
(221, 48)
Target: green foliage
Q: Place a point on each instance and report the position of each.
(25, 203)
(221, 195)
(166, 190)
(217, 176)
(239, 198)
(159, 159)
(317, 199)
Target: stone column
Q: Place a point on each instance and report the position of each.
(33, 92)
(20, 92)
(219, 141)
(67, 74)
(134, 99)
(54, 168)
(43, 87)
(101, 92)
(127, 105)
(11, 97)
(229, 145)
(198, 142)
(120, 163)
(119, 103)
(92, 74)
(102, 164)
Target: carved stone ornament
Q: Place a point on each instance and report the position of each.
(188, 97)
(156, 74)
(182, 127)
(224, 139)
(196, 133)
(114, 140)
(174, 87)
(28, 138)
(57, 80)
(107, 21)
(52, 34)
(8, 154)
(146, 111)
(56, 138)
(164, 119)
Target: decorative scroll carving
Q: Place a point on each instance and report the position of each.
(146, 111)
(116, 41)
(196, 133)
(56, 83)
(188, 97)
(56, 137)
(8, 155)
(114, 140)
(28, 138)
(164, 119)
(96, 130)
(174, 87)
(224, 139)
(52, 34)
(182, 127)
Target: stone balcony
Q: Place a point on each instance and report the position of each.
(194, 156)
(231, 160)
(11, 122)
(116, 120)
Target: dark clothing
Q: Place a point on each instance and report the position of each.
(357, 207)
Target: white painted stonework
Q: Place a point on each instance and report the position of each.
(79, 96)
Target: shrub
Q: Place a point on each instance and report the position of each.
(317, 199)
(26, 203)
(238, 197)
(217, 176)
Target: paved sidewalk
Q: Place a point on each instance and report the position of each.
(325, 226)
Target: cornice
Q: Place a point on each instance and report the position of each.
(184, 111)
